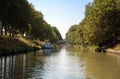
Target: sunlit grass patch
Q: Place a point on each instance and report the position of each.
(13, 45)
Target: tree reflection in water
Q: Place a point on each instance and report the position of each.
(60, 64)
(47, 52)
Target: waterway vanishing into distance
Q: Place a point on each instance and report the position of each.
(60, 63)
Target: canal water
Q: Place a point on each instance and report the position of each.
(60, 63)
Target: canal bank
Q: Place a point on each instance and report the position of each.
(114, 50)
(12, 45)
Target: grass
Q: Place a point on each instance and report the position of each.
(81, 48)
(12, 45)
(116, 47)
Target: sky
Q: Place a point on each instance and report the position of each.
(61, 13)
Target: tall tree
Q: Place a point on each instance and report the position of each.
(101, 23)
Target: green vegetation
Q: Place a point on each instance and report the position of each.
(10, 45)
(100, 27)
(20, 17)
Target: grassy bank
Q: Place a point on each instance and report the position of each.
(115, 49)
(12, 45)
(83, 48)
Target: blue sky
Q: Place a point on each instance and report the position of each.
(61, 13)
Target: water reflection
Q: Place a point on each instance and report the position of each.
(99, 65)
(102, 67)
(60, 64)
(47, 52)
(10, 67)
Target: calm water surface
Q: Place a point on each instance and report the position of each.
(61, 63)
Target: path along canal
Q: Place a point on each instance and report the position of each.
(62, 63)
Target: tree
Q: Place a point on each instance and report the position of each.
(100, 25)
(18, 16)
(55, 36)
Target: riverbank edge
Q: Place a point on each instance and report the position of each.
(82, 48)
(14, 51)
(113, 51)
(11, 46)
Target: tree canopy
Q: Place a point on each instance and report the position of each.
(19, 16)
(101, 25)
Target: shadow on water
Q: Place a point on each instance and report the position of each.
(23, 65)
(47, 52)
(60, 63)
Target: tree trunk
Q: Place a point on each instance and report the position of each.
(5, 31)
(13, 33)
(1, 31)
(10, 32)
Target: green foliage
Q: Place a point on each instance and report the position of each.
(20, 16)
(101, 25)
(55, 35)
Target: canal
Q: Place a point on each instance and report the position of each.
(60, 63)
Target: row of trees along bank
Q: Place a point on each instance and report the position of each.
(20, 17)
(101, 25)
